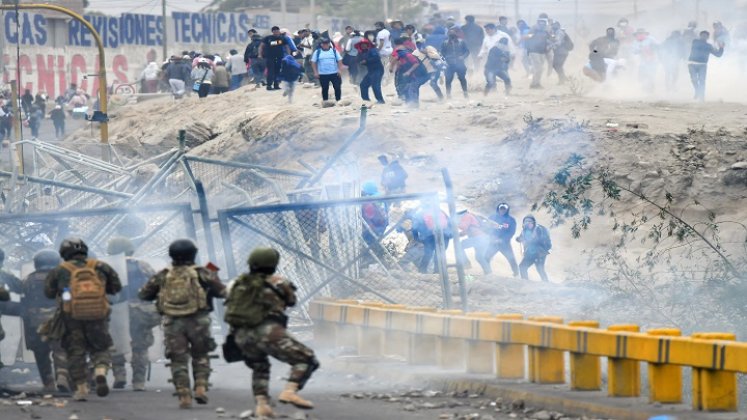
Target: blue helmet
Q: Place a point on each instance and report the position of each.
(370, 188)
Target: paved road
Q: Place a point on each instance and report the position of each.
(337, 396)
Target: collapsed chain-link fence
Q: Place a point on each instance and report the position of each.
(152, 229)
(356, 248)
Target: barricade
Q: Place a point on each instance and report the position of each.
(487, 344)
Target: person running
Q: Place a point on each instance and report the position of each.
(326, 64)
(536, 242)
(700, 51)
(369, 57)
(412, 72)
(455, 52)
(499, 59)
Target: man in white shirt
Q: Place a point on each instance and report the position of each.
(492, 36)
(383, 41)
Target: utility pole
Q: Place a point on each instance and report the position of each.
(284, 11)
(164, 31)
(697, 10)
(516, 10)
(575, 17)
(635, 9)
(386, 9)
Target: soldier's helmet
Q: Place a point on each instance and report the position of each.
(183, 251)
(71, 247)
(263, 258)
(120, 245)
(46, 259)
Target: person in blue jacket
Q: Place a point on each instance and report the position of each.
(536, 241)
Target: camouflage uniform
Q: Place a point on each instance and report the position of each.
(270, 337)
(143, 318)
(38, 309)
(190, 335)
(83, 337)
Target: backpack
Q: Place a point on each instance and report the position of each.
(245, 306)
(88, 293)
(181, 293)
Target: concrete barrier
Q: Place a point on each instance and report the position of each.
(483, 343)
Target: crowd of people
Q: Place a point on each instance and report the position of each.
(66, 305)
(487, 236)
(410, 57)
(35, 109)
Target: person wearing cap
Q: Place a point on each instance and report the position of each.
(537, 244)
(178, 73)
(203, 77)
(274, 48)
(502, 229)
(325, 61)
(476, 238)
(370, 59)
(393, 176)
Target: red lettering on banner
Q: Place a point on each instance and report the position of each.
(61, 76)
(27, 68)
(78, 70)
(45, 72)
(120, 67)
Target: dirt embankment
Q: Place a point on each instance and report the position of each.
(691, 151)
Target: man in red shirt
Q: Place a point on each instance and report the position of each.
(411, 72)
(476, 238)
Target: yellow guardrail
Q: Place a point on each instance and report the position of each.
(494, 344)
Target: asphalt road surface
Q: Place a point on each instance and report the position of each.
(336, 395)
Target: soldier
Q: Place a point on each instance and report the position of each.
(8, 283)
(184, 296)
(255, 309)
(80, 285)
(38, 309)
(143, 317)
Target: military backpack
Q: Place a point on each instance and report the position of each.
(88, 300)
(181, 293)
(245, 306)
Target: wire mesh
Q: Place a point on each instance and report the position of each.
(152, 229)
(358, 248)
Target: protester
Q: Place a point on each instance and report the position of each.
(237, 68)
(537, 44)
(203, 78)
(58, 119)
(412, 72)
(325, 62)
(350, 57)
(274, 48)
(178, 73)
(221, 79)
(645, 48)
(536, 242)
(502, 227)
(473, 38)
(369, 58)
(455, 52)
(393, 176)
(497, 65)
(149, 78)
(476, 238)
(383, 41)
(290, 71)
(561, 45)
(700, 51)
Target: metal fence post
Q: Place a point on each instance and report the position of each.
(458, 251)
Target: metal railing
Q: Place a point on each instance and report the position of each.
(495, 344)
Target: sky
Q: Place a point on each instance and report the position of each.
(147, 7)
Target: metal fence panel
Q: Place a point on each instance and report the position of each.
(152, 229)
(329, 249)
